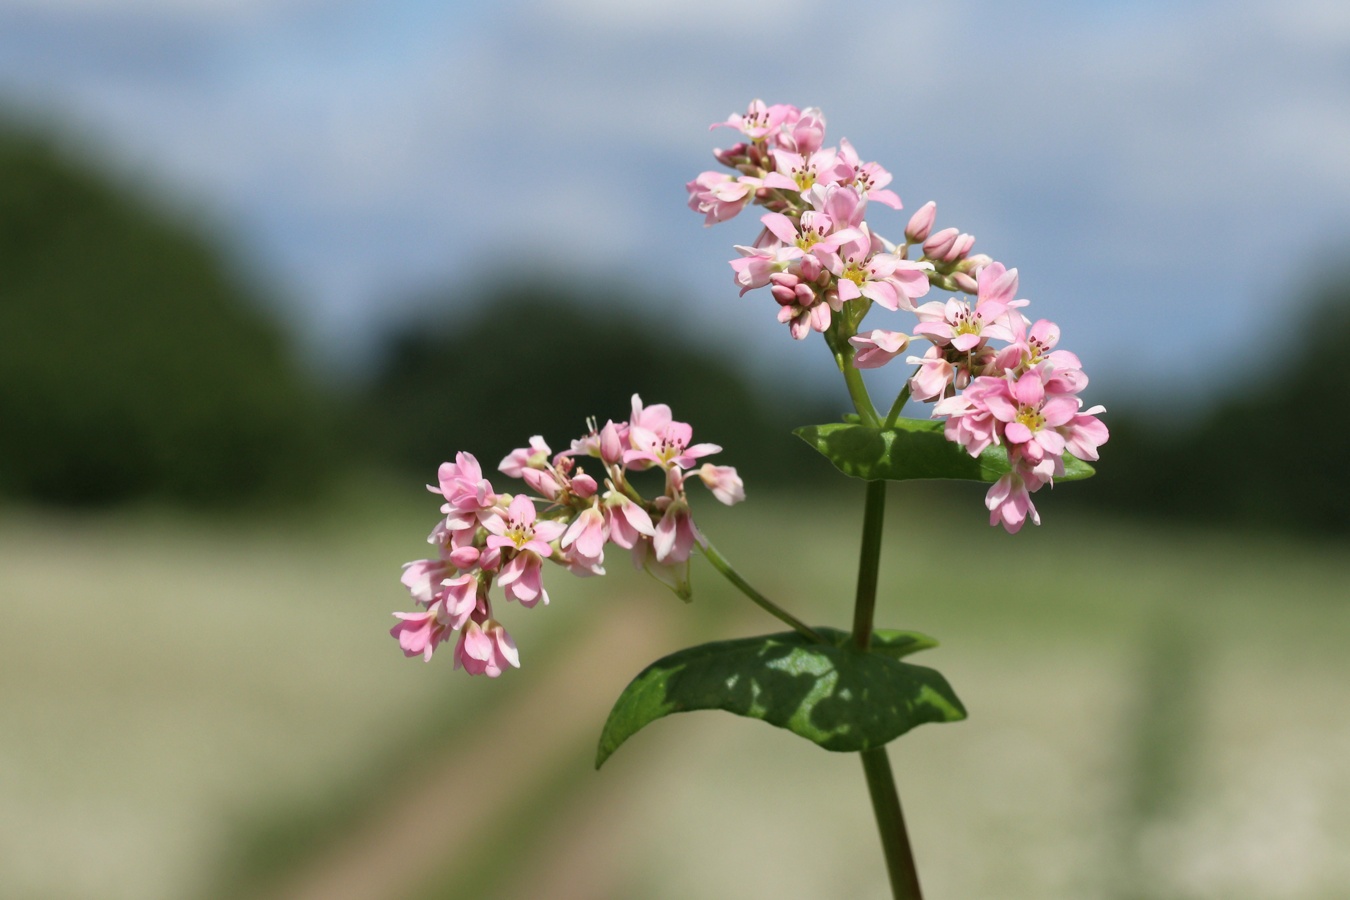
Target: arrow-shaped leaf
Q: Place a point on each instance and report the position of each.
(831, 694)
(913, 449)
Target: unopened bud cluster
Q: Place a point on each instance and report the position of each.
(825, 267)
(489, 538)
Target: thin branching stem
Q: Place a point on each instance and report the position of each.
(720, 563)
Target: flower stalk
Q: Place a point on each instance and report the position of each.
(719, 562)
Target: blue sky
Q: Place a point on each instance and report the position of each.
(1167, 178)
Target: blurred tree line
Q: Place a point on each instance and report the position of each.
(533, 358)
(135, 364)
(1272, 453)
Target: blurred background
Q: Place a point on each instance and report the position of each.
(263, 265)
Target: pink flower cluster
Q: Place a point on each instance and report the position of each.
(488, 537)
(825, 268)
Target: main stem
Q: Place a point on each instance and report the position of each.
(891, 824)
(876, 765)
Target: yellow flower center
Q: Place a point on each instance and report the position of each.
(1031, 417)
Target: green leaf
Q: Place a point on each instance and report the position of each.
(831, 694)
(913, 449)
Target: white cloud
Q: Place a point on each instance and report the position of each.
(1133, 156)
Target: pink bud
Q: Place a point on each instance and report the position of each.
(584, 486)
(611, 449)
(965, 283)
(939, 244)
(785, 295)
(960, 247)
(809, 132)
(921, 223)
(975, 262)
(464, 557)
(810, 268)
(542, 483)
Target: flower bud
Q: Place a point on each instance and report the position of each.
(810, 268)
(611, 448)
(584, 486)
(975, 262)
(939, 244)
(731, 155)
(921, 223)
(809, 132)
(542, 483)
(964, 282)
(961, 246)
(464, 557)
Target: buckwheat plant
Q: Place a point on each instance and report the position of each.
(1005, 411)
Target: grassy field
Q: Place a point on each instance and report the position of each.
(193, 707)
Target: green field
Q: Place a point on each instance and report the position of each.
(208, 708)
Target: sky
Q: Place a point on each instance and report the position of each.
(1168, 178)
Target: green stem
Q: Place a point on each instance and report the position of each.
(869, 563)
(897, 406)
(891, 824)
(720, 563)
(857, 390)
(876, 765)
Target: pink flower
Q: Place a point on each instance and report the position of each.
(628, 522)
(587, 535)
(877, 347)
(867, 178)
(759, 120)
(485, 649)
(675, 533)
(720, 196)
(534, 456)
(1029, 415)
(807, 133)
(956, 324)
(969, 421)
(419, 633)
(466, 491)
(423, 578)
(667, 446)
(935, 373)
(844, 205)
(997, 285)
(1028, 350)
(1009, 503)
(724, 482)
(518, 531)
(1084, 433)
(814, 233)
(881, 277)
(798, 173)
(758, 264)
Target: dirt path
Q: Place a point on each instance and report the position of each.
(397, 850)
